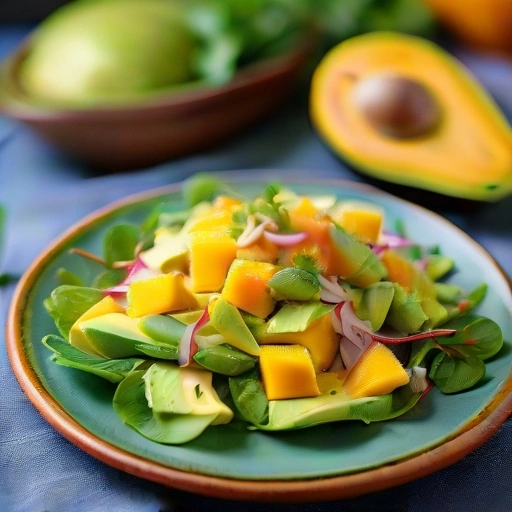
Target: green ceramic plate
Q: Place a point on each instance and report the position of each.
(324, 462)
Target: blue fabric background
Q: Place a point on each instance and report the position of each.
(45, 193)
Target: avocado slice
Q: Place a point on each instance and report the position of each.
(354, 260)
(116, 335)
(230, 324)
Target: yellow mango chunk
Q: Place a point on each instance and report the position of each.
(304, 207)
(287, 372)
(212, 221)
(103, 307)
(364, 224)
(159, 294)
(319, 338)
(247, 287)
(211, 254)
(377, 372)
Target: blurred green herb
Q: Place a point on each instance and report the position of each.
(5, 278)
(232, 33)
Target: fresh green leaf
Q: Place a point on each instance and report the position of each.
(307, 262)
(113, 370)
(66, 277)
(476, 336)
(200, 187)
(67, 303)
(109, 278)
(453, 374)
(6, 279)
(120, 243)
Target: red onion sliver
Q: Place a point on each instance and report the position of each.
(285, 240)
(137, 271)
(184, 346)
(394, 240)
(188, 347)
(350, 352)
(356, 330)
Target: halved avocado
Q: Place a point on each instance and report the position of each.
(455, 140)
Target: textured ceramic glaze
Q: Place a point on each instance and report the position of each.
(333, 460)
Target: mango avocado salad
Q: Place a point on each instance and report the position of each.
(280, 311)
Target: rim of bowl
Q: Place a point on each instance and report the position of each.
(14, 102)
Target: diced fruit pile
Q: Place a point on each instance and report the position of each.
(281, 311)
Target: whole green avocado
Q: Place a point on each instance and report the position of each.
(103, 51)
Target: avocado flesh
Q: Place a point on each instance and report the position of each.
(467, 155)
(174, 390)
(105, 52)
(116, 335)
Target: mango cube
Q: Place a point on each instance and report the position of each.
(160, 294)
(319, 338)
(287, 372)
(364, 224)
(212, 221)
(247, 287)
(377, 372)
(211, 254)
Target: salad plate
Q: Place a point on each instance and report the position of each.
(330, 461)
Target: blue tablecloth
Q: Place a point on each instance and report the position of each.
(45, 193)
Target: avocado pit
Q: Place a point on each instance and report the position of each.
(397, 106)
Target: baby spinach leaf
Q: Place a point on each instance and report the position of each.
(67, 303)
(109, 278)
(113, 370)
(476, 336)
(120, 242)
(453, 374)
(66, 277)
(200, 187)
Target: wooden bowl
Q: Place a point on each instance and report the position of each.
(161, 126)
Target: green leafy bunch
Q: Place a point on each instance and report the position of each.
(233, 33)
